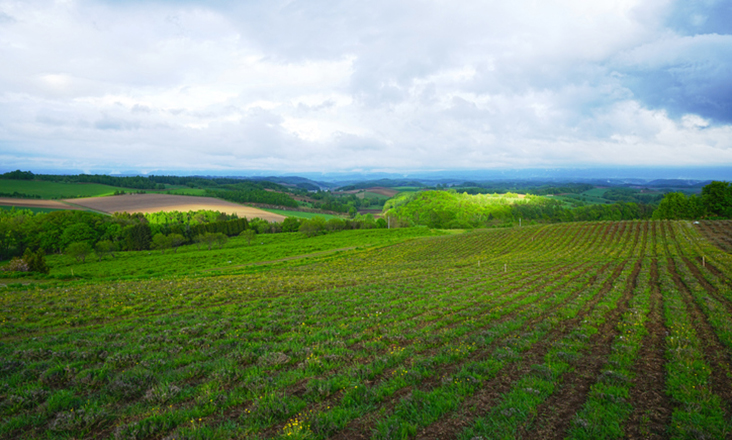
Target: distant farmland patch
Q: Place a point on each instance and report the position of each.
(56, 190)
(147, 203)
(388, 192)
(34, 203)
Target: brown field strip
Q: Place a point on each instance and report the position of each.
(149, 203)
(35, 203)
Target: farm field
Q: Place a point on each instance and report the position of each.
(149, 203)
(237, 255)
(56, 190)
(50, 205)
(580, 330)
(300, 214)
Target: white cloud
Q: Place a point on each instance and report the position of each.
(312, 86)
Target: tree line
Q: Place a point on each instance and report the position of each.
(714, 202)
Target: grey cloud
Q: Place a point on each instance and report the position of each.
(683, 75)
(6, 19)
(700, 17)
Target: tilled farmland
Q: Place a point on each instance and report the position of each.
(582, 331)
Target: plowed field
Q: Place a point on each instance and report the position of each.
(34, 203)
(581, 331)
(147, 203)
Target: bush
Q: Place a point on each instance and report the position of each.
(16, 265)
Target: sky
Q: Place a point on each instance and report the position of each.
(237, 87)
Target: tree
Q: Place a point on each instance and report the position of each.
(161, 242)
(104, 247)
(717, 199)
(676, 205)
(248, 235)
(137, 237)
(176, 240)
(79, 250)
(221, 239)
(78, 232)
(312, 227)
(291, 224)
(208, 238)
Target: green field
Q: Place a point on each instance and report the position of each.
(57, 190)
(184, 191)
(237, 255)
(300, 214)
(583, 331)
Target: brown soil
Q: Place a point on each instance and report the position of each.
(388, 192)
(35, 203)
(149, 203)
(718, 232)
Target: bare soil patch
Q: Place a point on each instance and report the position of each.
(148, 203)
(35, 203)
(388, 192)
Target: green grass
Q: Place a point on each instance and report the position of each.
(57, 190)
(235, 256)
(300, 214)
(595, 192)
(392, 333)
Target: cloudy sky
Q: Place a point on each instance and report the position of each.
(383, 85)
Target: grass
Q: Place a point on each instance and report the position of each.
(300, 214)
(234, 257)
(392, 333)
(57, 190)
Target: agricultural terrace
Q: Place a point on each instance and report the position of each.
(150, 203)
(580, 331)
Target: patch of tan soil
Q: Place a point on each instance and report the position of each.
(388, 192)
(147, 203)
(35, 203)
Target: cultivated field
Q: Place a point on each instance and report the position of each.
(35, 203)
(148, 203)
(581, 331)
(57, 190)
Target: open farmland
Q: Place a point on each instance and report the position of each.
(35, 203)
(56, 190)
(149, 203)
(582, 331)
